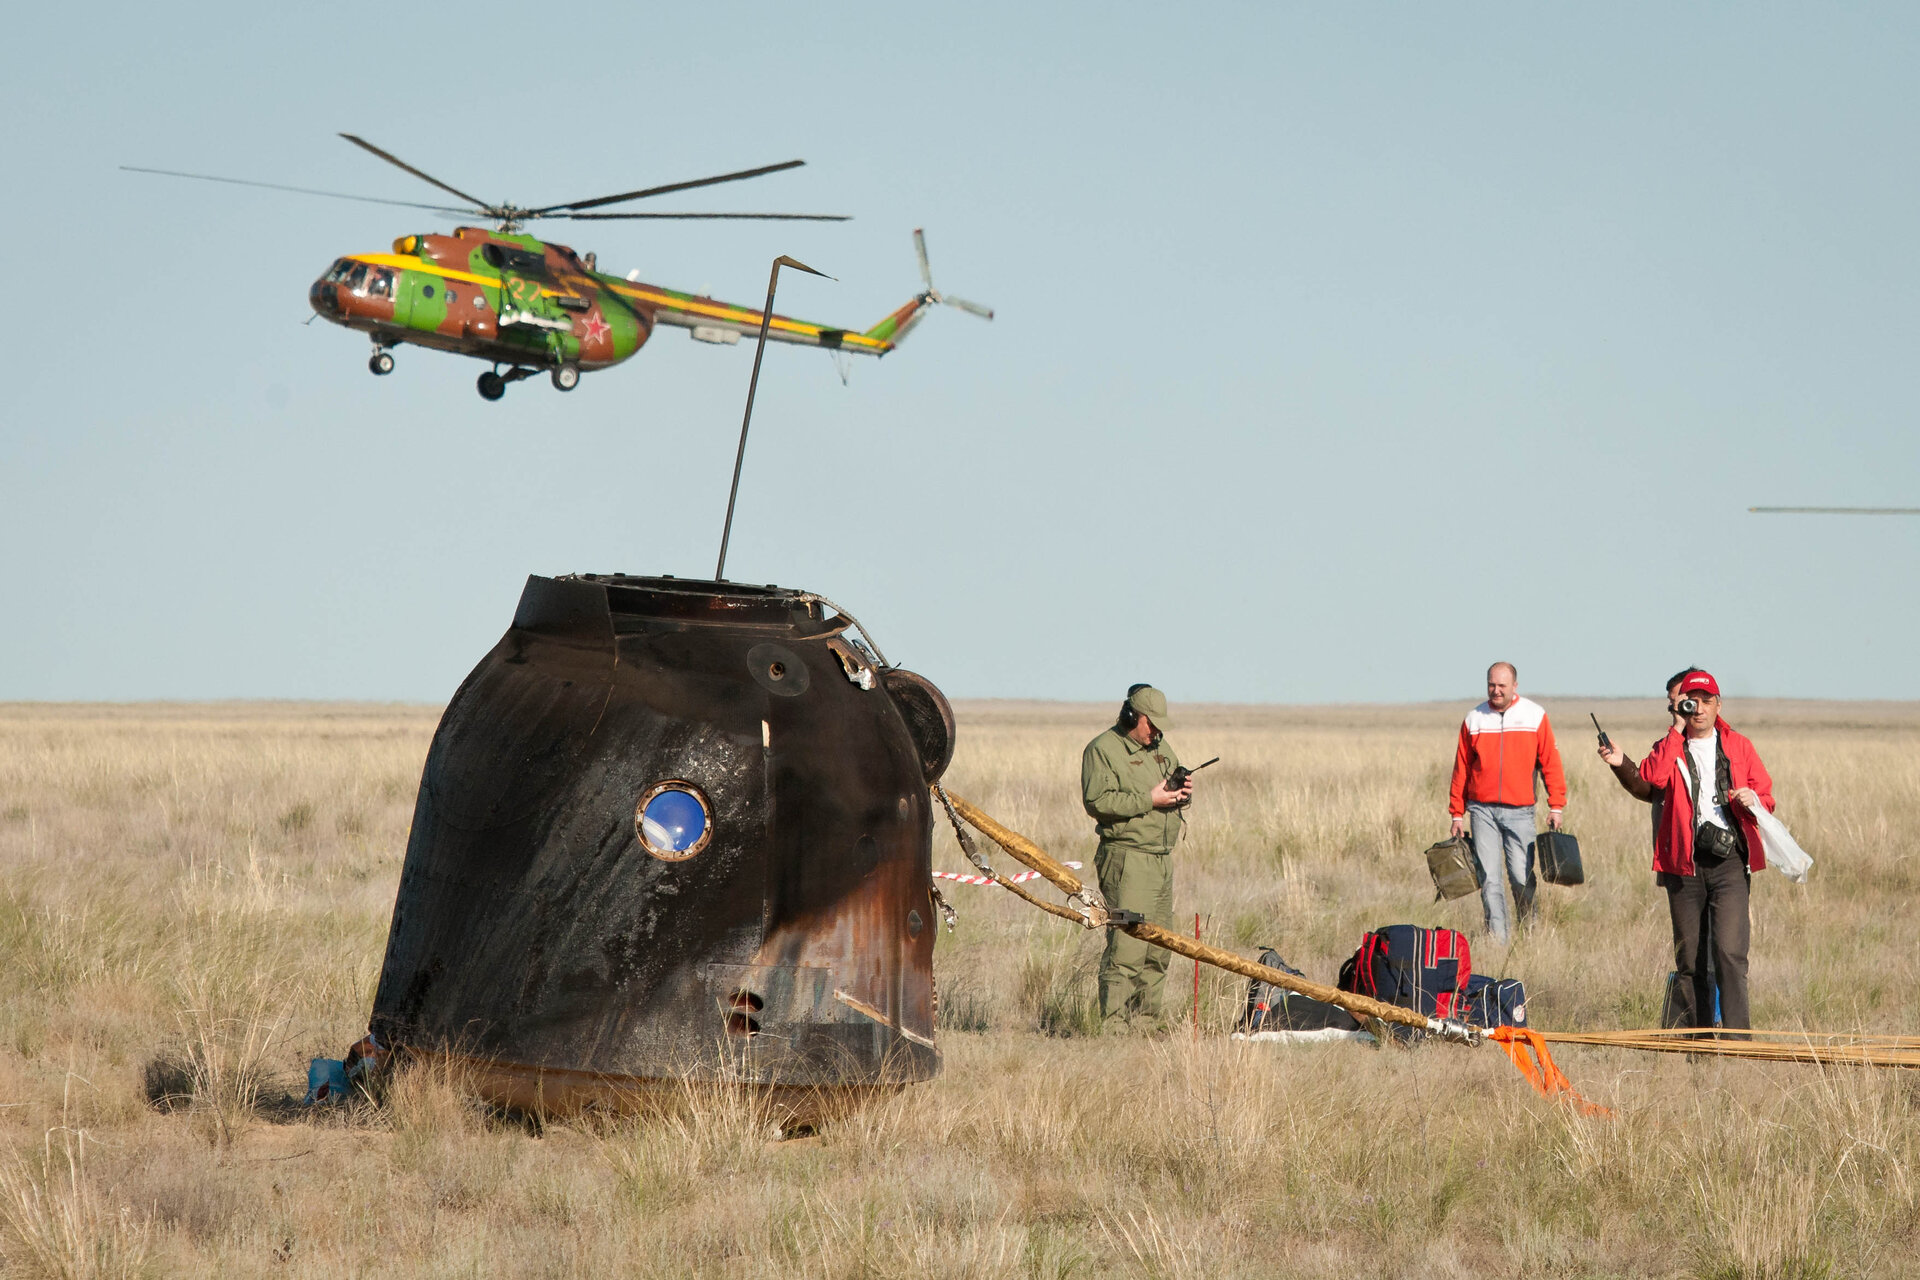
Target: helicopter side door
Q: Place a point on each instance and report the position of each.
(522, 276)
(424, 300)
(530, 316)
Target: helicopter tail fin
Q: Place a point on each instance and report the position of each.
(894, 329)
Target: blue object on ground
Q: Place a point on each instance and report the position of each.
(1673, 977)
(326, 1081)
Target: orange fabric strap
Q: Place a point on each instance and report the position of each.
(1539, 1069)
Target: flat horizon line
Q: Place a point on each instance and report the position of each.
(1465, 700)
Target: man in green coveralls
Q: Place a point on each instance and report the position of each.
(1123, 782)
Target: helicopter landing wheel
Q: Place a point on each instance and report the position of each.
(566, 376)
(381, 363)
(492, 385)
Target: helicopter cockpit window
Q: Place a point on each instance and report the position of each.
(339, 272)
(357, 278)
(380, 285)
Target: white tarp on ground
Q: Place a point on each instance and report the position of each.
(1319, 1035)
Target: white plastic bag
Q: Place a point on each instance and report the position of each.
(1783, 853)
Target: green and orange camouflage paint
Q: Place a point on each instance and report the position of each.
(528, 305)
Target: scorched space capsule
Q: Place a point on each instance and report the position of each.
(672, 830)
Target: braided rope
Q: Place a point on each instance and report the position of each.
(1839, 1049)
(1826, 1048)
(960, 877)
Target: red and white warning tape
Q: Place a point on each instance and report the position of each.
(961, 878)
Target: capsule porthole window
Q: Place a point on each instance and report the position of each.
(673, 820)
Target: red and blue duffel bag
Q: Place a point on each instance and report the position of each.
(1415, 968)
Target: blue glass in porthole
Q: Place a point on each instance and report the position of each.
(673, 821)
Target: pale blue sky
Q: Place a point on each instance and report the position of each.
(1340, 349)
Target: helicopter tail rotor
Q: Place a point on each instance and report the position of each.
(971, 308)
(920, 251)
(894, 329)
(934, 295)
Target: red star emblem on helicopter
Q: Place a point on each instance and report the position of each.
(596, 328)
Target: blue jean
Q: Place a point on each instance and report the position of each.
(1509, 827)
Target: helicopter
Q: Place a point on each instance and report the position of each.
(527, 306)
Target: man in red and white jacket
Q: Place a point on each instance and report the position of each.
(1503, 742)
(1707, 847)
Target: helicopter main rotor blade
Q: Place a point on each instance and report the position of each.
(971, 308)
(644, 192)
(305, 191)
(761, 217)
(364, 145)
(920, 249)
(1837, 511)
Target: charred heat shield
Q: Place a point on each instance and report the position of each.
(667, 830)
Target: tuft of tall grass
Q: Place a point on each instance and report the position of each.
(963, 1004)
(59, 1229)
(231, 1005)
(1057, 993)
(56, 1223)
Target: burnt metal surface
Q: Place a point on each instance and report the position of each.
(929, 718)
(535, 934)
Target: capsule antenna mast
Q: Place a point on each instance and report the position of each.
(753, 384)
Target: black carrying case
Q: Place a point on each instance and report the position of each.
(1275, 1008)
(1559, 855)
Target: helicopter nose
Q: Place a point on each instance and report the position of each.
(324, 297)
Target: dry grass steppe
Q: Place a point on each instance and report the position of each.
(194, 901)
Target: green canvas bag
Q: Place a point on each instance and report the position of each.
(1455, 871)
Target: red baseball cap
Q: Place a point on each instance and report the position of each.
(1700, 682)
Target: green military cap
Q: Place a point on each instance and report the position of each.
(1152, 704)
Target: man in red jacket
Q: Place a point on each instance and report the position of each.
(1503, 741)
(1709, 780)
